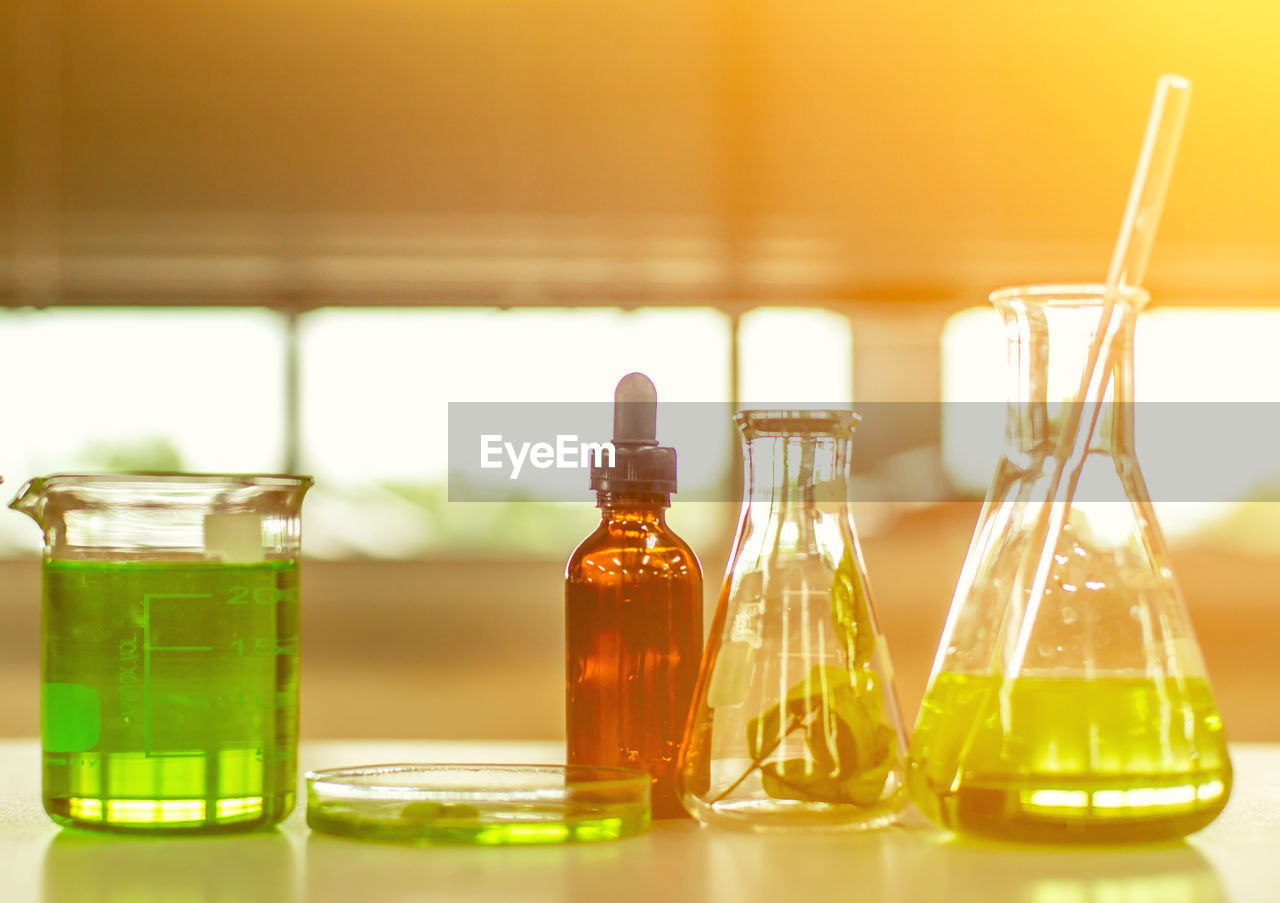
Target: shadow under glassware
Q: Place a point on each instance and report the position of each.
(1068, 701)
(975, 871)
(806, 866)
(795, 723)
(169, 639)
(340, 868)
(80, 866)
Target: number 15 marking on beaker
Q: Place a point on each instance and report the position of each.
(265, 647)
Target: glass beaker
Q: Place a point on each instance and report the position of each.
(1080, 712)
(170, 648)
(795, 723)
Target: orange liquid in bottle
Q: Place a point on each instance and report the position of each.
(633, 615)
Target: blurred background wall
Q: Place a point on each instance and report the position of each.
(283, 235)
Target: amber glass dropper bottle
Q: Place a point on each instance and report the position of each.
(633, 610)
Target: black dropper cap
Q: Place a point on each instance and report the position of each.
(640, 464)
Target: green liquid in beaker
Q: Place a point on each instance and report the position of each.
(1088, 760)
(170, 694)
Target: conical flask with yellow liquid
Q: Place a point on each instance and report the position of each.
(1068, 700)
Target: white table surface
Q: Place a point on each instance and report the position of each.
(1235, 859)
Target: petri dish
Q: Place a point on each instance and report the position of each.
(479, 805)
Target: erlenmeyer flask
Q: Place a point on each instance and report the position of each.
(795, 723)
(1081, 712)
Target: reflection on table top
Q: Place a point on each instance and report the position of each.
(1235, 860)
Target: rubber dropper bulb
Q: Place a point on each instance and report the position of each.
(635, 411)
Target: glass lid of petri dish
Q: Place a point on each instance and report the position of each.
(480, 805)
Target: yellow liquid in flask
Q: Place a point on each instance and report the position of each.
(1085, 760)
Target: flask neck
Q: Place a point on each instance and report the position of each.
(796, 482)
(796, 477)
(1050, 335)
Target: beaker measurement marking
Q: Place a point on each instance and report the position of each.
(180, 648)
(147, 649)
(261, 595)
(265, 646)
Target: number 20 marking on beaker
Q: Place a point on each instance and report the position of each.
(260, 595)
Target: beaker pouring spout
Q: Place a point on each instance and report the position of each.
(31, 500)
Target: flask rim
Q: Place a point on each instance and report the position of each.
(1068, 295)
(796, 422)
